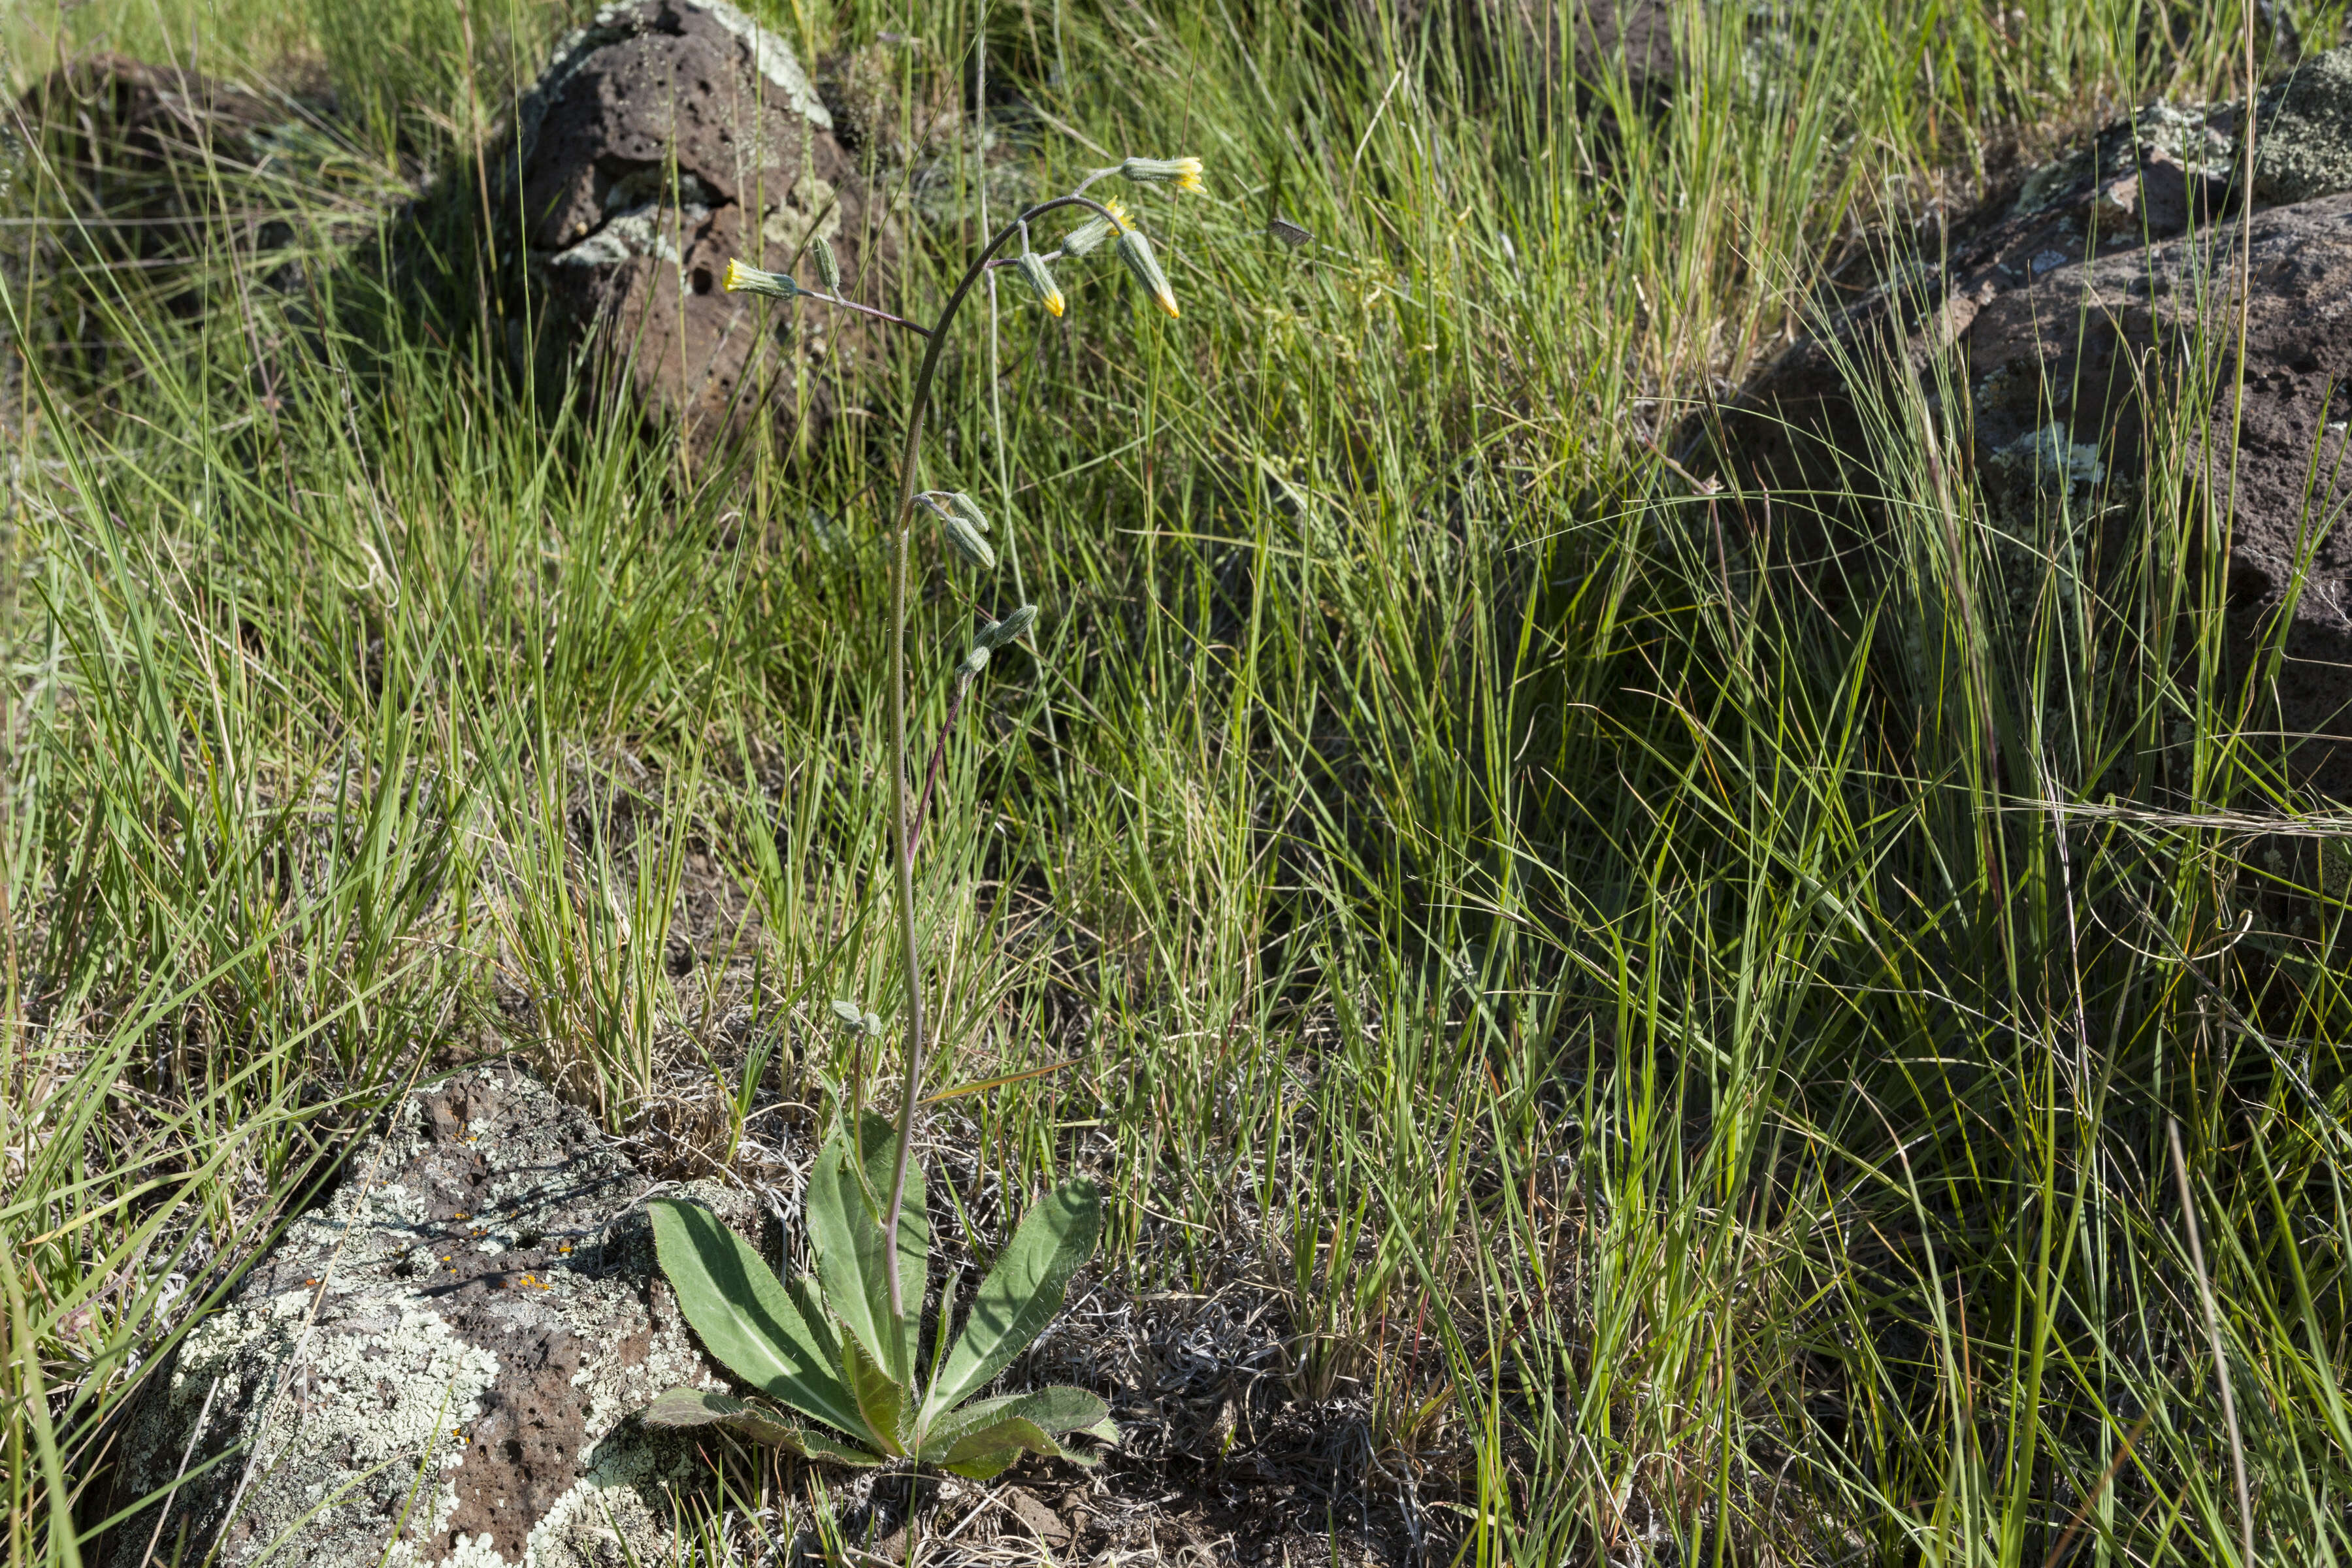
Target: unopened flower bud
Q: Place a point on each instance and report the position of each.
(1135, 249)
(968, 542)
(973, 662)
(851, 1018)
(1184, 173)
(958, 504)
(874, 1023)
(962, 521)
(996, 634)
(742, 280)
(1083, 239)
(828, 266)
(1041, 282)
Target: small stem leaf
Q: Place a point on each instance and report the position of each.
(1022, 1293)
(846, 1232)
(880, 1401)
(745, 1317)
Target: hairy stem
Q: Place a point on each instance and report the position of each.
(901, 820)
(823, 298)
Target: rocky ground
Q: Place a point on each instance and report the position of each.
(443, 1364)
(2110, 283)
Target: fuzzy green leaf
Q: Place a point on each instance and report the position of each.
(744, 1316)
(848, 1195)
(880, 1399)
(691, 1407)
(1022, 1293)
(1057, 1409)
(1006, 1439)
(750, 1420)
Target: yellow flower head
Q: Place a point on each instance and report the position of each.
(1184, 173)
(1135, 249)
(742, 280)
(1095, 230)
(1041, 282)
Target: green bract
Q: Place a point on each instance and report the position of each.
(830, 1350)
(996, 634)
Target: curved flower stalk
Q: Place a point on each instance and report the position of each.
(841, 1349)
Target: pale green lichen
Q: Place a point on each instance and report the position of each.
(404, 1361)
(2302, 131)
(389, 1402)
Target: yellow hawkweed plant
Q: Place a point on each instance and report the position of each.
(833, 1363)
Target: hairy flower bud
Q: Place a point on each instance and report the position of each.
(1041, 282)
(955, 503)
(850, 1018)
(1083, 239)
(973, 662)
(1135, 249)
(742, 280)
(968, 543)
(962, 521)
(996, 634)
(828, 266)
(1184, 173)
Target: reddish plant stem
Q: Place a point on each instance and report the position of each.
(939, 755)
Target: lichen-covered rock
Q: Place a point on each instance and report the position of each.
(2303, 132)
(666, 137)
(488, 1321)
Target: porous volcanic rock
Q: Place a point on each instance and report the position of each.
(490, 1321)
(2133, 320)
(666, 137)
(159, 164)
(2058, 307)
